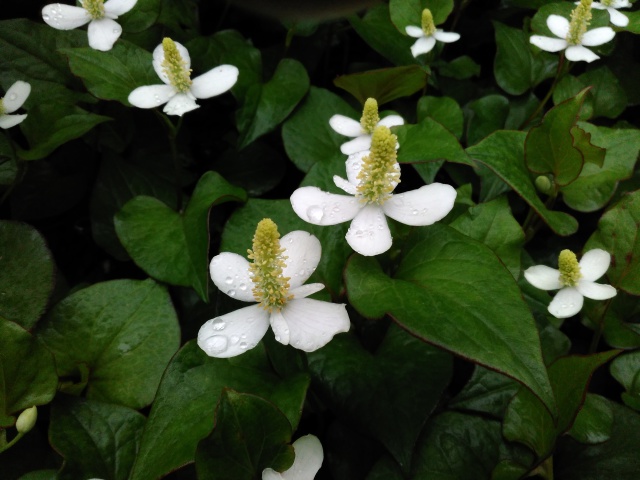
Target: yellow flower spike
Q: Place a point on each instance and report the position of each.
(271, 286)
(175, 66)
(580, 19)
(428, 27)
(380, 172)
(370, 116)
(95, 8)
(569, 268)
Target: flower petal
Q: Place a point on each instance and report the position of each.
(594, 5)
(423, 206)
(594, 264)
(180, 104)
(321, 208)
(158, 58)
(304, 291)
(118, 7)
(344, 185)
(309, 457)
(369, 233)
(595, 291)
(548, 44)
(230, 273)
(620, 4)
(577, 53)
(280, 327)
(65, 17)
(313, 323)
(446, 37)
(103, 33)
(271, 474)
(566, 303)
(345, 125)
(234, 333)
(558, 25)
(358, 144)
(353, 166)
(423, 45)
(617, 18)
(413, 31)
(215, 82)
(303, 252)
(543, 277)
(151, 96)
(391, 121)
(16, 96)
(8, 121)
(598, 36)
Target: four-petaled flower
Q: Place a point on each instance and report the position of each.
(12, 101)
(372, 177)
(103, 30)
(617, 18)
(309, 456)
(427, 34)
(574, 279)
(362, 130)
(172, 63)
(275, 279)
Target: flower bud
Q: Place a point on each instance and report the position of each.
(543, 184)
(27, 420)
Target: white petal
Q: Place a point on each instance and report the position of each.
(423, 45)
(180, 104)
(577, 53)
(423, 206)
(595, 291)
(391, 121)
(543, 277)
(446, 37)
(594, 5)
(548, 44)
(594, 264)
(65, 17)
(369, 233)
(358, 144)
(345, 125)
(270, 474)
(321, 208)
(118, 7)
(597, 36)
(309, 457)
(215, 81)
(8, 121)
(620, 4)
(158, 58)
(353, 166)
(16, 96)
(151, 96)
(617, 18)
(234, 333)
(280, 327)
(103, 33)
(230, 273)
(566, 303)
(344, 185)
(304, 291)
(313, 323)
(558, 25)
(413, 31)
(303, 252)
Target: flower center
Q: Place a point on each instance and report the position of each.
(95, 8)
(569, 268)
(271, 286)
(370, 117)
(607, 3)
(2, 111)
(175, 66)
(580, 19)
(428, 27)
(380, 172)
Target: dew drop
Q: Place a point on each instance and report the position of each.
(315, 213)
(216, 344)
(291, 240)
(250, 320)
(234, 339)
(301, 272)
(277, 338)
(45, 17)
(572, 305)
(13, 96)
(243, 345)
(242, 287)
(116, 31)
(228, 280)
(231, 293)
(218, 324)
(414, 212)
(564, 305)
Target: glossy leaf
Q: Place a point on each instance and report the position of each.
(409, 12)
(444, 110)
(594, 420)
(486, 391)
(428, 141)
(487, 114)
(625, 370)
(384, 85)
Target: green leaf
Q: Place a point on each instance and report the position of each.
(472, 302)
(503, 153)
(267, 105)
(96, 439)
(385, 84)
(26, 282)
(171, 246)
(141, 17)
(619, 325)
(460, 68)
(409, 12)
(8, 165)
(183, 412)
(27, 372)
(625, 370)
(568, 87)
(618, 234)
(390, 393)
(443, 110)
(485, 392)
(594, 420)
(487, 114)
(609, 99)
(250, 434)
(112, 332)
(428, 141)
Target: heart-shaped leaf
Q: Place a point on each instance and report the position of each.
(384, 85)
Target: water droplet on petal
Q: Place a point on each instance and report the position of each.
(218, 324)
(564, 305)
(414, 212)
(315, 213)
(228, 280)
(277, 338)
(234, 339)
(243, 345)
(116, 31)
(243, 287)
(231, 293)
(216, 344)
(45, 17)
(301, 272)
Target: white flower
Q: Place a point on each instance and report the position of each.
(172, 63)
(103, 30)
(363, 129)
(574, 279)
(275, 279)
(427, 35)
(617, 18)
(372, 177)
(309, 456)
(12, 101)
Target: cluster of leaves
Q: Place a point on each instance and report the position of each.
(453, 367)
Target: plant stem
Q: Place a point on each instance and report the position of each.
(597, 333)
(172, 133)
(560, 72)
(15, 440)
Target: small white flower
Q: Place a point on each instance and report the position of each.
(309, 456)
(172, 63)
(574, 279)
(363, 129)
(617, 18)
(372, 177)
(275, 279)
(103, 29)
(427, 35)
(12, 101)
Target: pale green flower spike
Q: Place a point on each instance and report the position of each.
(380, 172)
(580, 20)
(428, 27)
(95, 8)
(569, 268)
(271, 288)
(370, 117)
(175, 67)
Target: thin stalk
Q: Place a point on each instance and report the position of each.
(560, 72)
(15, 440)
(597, 333)
(172, 134)
(533, 221)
